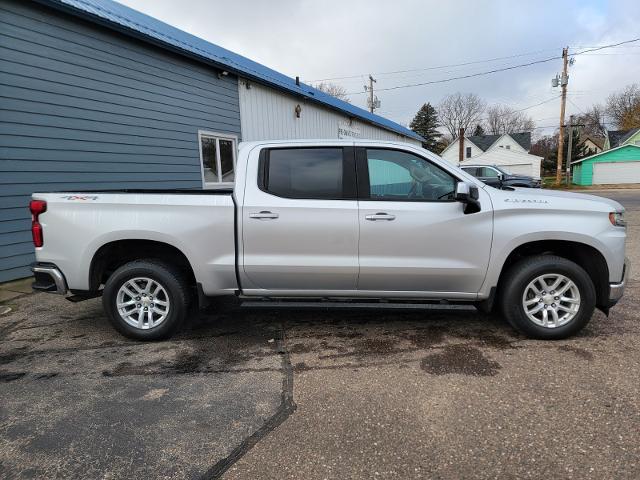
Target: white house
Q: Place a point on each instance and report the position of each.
(510, 151)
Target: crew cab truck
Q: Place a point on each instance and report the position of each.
(334, 220)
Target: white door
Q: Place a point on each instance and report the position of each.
(616, 172)
(413, 236)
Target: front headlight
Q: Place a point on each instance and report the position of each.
(617, 219)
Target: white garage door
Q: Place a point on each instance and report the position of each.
(520, 169)
(616, 172)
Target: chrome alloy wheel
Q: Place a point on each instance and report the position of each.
(143, 303)
(551, 300)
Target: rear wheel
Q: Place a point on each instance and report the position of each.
(547, 297)
(146, 300)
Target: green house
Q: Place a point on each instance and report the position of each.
(618, 165)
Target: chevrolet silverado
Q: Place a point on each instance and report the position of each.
(334, 219)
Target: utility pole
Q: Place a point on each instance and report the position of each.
(569, 147)
(461, 146)
(371, 100)
(564, 80)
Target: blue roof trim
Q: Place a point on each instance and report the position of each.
(123, 18)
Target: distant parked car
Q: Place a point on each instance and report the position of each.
(499, 178)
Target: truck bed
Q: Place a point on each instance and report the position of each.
(173, 191)
(198, 223)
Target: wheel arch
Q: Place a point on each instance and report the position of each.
(584, 255)
(116, 253)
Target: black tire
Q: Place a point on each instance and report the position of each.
(523, 272)
(169, 278)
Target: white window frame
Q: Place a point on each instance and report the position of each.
(218, 136)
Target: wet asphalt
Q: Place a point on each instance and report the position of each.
(248, 393)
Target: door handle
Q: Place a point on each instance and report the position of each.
(264, 215)
(380, 216)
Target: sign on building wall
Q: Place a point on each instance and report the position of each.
(347, 131)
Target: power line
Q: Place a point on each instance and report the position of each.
(612, 45)
(531, 106)
(556, 126)
(472, 75)
(610, 54)
(512, 111)
(475, 62)
(488, 72)
(506, 101)
(597, 46)
(487, 60)
(572, 103)
(583, 52)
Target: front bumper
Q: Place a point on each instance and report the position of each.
(616, 290)
(48, 279)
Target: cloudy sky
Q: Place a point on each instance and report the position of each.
(331, 39)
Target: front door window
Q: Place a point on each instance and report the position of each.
(400, 176)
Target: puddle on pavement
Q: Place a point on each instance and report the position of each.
(460, 359)
(578, 351)
(375, 346)
(453, 342)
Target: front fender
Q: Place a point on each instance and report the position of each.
(513, 229)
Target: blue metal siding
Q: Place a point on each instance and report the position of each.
(132, 22)
(83, 107)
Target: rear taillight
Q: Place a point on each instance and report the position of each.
(37, 207)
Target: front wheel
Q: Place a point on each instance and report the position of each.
(146, 300)
(547, 297)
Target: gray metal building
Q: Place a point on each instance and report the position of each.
(94, 95)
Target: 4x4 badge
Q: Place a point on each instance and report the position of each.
(80, 197)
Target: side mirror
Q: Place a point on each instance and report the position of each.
(468, 194)
(500, 177)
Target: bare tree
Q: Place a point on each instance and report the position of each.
(333, 90)
(547, 148)
(632, 118)
(443, 142)
(504, 119)
(593, 121)
(460, 110)
(624, 107)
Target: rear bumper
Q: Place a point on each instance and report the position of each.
(616, 290)
(48, 279)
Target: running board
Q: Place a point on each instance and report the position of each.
(354, 304)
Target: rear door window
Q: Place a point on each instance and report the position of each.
(308, 173)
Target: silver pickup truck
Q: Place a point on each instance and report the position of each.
(334, 220)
